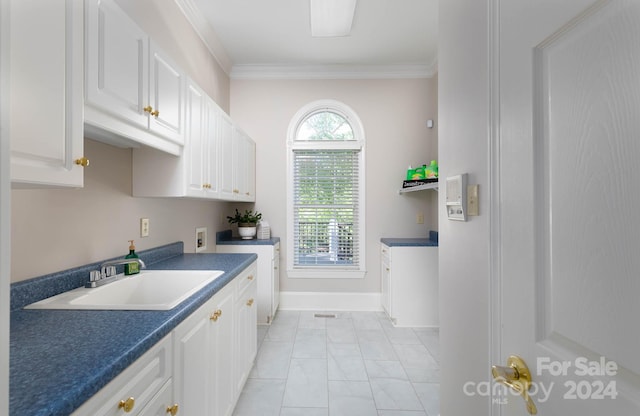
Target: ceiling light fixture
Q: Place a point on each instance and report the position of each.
(332, 18)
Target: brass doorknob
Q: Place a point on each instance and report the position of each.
(172, 410)
(516, 375)
(83, 161)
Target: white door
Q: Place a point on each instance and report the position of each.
(569, 236)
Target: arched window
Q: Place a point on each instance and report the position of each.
(326, 192)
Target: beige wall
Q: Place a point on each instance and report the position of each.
(394, 115)
(168, 27)
(57, 229)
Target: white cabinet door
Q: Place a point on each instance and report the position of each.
(46, 99)
(385, 273)
(244, 155)
(166, 83)
(246, 307)
(223, 351)
(195, 141)
(134, 92)
(117, 59)
(192, 363)
(211, 149)
(226, 156)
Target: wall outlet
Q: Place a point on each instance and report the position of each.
(201, 239)
(144, 227)
(420, 218)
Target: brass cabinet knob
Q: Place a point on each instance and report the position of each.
(83, 161)
(172, 410)
(127, 405)
(155, 113)
(214, 316)
(250, 302)
(250, 277)
(235, 191)
(148, 109)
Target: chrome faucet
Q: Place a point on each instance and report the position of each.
(103, 266)
(107, 272)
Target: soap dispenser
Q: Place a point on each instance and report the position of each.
(134, 267)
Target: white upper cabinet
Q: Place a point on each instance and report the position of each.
(244, 158)
(46, 99)
(134, 93)
(226, 165)
(195, 172)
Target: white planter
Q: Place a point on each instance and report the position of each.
(247, 233)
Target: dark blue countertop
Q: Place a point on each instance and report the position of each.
(61, 358)
(225, 238)
(409, 242)
(432, 241)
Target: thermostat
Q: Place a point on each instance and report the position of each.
(456, 197)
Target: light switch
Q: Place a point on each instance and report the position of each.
(472, 200)
(144, 227)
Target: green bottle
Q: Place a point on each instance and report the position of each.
(131, 268)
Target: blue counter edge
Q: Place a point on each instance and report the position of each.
(59, 359)
(226, 238)
(432, 241)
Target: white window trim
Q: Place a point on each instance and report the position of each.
(358, 132)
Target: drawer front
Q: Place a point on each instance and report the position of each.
(141, 381)
(246, 278)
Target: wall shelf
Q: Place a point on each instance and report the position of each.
(433, 185)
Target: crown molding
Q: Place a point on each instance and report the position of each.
(206, 33)
(266, 72)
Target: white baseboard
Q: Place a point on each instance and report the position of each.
(330, 301)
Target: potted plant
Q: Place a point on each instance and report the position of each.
(247, 223)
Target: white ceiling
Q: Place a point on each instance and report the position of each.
(272, 38)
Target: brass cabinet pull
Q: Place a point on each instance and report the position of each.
(127, 405)
(517, 376)
(148, 109)
(83, 161)
(172, 410)
(250, 277)
(250, 302)
(155, 113)
(214, 316)
(235, 191)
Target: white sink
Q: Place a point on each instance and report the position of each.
(148, 290)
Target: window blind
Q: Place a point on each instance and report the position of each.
(325, 208)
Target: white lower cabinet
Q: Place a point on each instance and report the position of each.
(246, 337)
(268, 297)
(136, 387)
(410, 285)
(199, 369)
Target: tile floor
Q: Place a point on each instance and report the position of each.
(356, 364)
